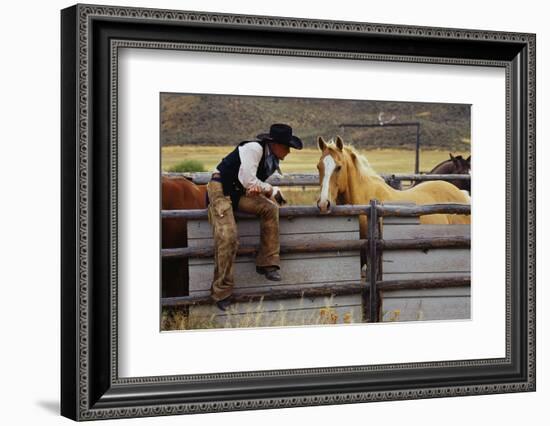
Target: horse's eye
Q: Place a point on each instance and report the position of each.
(338, 168)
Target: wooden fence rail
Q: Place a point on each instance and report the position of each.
(342, 210)
(326, 246)
(324, 291)
(291, 211)
(388, 210)
(312, 179)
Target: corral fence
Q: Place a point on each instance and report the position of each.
(371, 247)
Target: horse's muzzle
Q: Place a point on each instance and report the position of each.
(323, 206)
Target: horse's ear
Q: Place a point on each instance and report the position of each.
(468, 159)
(353, 156)
(455, 160)
(321, 143)
(339, 143)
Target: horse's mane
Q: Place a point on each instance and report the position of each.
(361, 162)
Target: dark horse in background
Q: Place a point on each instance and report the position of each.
(178, 193)
(454, 166)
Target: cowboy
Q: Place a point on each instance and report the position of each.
(239, 183)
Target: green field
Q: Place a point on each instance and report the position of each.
(305, 161)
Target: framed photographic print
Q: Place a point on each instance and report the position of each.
(263, 212)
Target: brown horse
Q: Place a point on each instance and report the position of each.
(346, 177)
(178, 193)
(454, 166)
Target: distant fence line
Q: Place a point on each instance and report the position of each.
(312, 179)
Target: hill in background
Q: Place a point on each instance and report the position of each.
(226, 120)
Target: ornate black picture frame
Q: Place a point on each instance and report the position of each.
(91, 387)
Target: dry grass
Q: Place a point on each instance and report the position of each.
(253, 314)
(301, 196)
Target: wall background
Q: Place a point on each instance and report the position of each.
(30, 178)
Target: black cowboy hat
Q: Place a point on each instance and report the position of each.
(282, 133)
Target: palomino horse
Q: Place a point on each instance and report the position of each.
(454, 166)
(178, 193)
(346, 177)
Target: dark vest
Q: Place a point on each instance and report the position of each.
(229, 171)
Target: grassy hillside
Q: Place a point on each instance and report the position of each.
(225, 120)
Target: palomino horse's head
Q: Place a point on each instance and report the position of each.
(333, 172)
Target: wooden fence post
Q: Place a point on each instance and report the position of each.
(373, 261)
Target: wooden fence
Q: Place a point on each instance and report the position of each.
(312, 248)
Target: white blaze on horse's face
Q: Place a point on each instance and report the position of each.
(329, 167)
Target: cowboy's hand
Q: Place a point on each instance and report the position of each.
(254, 190)
(277, 196)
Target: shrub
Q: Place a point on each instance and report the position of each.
(188, 166)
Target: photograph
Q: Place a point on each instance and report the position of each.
(266, 204)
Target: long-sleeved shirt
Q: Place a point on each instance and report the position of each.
(250, 155)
